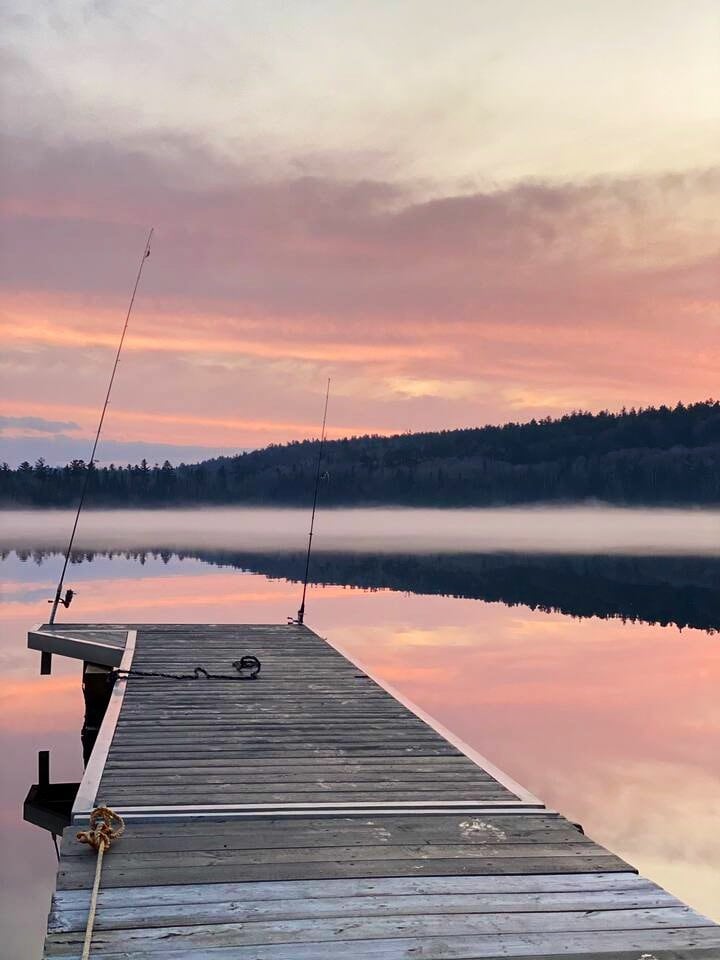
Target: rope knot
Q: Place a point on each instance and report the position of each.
(247, 663)
(101, 832)
(99, 836)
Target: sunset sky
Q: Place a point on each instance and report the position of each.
(461, 212)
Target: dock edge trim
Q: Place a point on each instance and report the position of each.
(523, 794)
(87, 791)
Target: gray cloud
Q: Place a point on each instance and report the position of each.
(59, 450)
(315, 246)
(38, 424)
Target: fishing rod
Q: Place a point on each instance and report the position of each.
(301, 612)
(69, 594)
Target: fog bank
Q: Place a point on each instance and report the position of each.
(382, 530)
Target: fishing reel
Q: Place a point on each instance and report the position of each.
(67, 599)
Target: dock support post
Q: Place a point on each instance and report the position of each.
(43, 768)
(96, 693)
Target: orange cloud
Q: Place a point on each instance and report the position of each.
(70, 330)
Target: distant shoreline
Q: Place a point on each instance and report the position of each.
(658, 457)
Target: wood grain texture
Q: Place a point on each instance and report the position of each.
(309, 709)
(499, 876)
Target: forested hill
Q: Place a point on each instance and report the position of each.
(655, 456)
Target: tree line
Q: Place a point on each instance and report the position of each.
(653, 456)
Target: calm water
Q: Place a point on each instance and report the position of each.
(576, 649)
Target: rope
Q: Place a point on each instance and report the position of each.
(249, 663)
(100, 835)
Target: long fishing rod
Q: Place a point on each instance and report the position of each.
(301, 612)
(67, 599)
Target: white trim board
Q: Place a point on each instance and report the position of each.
(87, 792)
(368, 805)
(63, 642)
(186, 814)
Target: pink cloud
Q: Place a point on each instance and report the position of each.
(527, 300)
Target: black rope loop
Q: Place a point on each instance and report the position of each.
(248, 662)
(247, 668)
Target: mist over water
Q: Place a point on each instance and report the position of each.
(562, 530)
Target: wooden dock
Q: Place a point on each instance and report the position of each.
(313, 814)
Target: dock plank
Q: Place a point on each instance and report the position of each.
(678, 944)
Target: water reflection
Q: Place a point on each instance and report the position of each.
(616, 724)
(663, 590)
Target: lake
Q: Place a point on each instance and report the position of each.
(576, 648)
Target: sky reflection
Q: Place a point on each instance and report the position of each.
(616, 725)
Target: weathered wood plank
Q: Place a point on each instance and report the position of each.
(203, 859)
(189, 794)
(471, 829)
(239, 872)
(459, 788)
(349, 774)
(158, 736)
(452, 763)
(531, 884)
(610, 945)
(352, 928)
(224, 911)
(274, 834)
